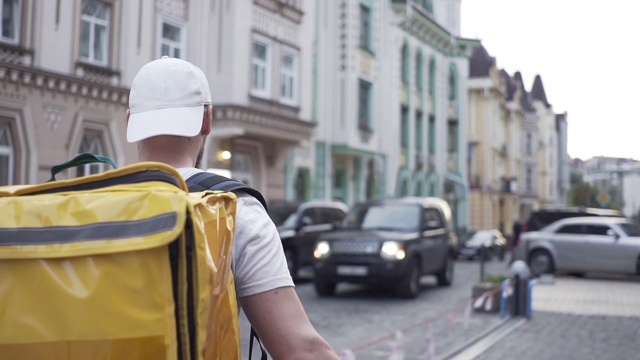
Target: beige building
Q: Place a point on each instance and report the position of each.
(494, 146)
(548, 152)
(66, 67)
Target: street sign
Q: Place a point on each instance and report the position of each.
(603, 199)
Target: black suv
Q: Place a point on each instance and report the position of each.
(389, 242)
(300, 224)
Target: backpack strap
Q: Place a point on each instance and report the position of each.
(208, 181)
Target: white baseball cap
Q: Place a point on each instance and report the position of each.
(167, 97)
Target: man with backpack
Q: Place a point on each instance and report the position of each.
(169, 118)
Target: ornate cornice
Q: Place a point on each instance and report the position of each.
(423, 26)
(261, 122)
(46, 80)
(288, 9)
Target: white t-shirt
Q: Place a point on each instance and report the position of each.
(258, 263)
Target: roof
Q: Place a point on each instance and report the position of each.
(538, 93)
(524, 99)
(511, 85)
(481, 62)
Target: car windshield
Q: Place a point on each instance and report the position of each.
(396, 217)
(481, 236)
(283, 214)
(290, 221)
(630, 229)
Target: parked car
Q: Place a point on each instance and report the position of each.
(389, 243)
(299, 225)
(545, 216)
(582, 244)
(488, 242)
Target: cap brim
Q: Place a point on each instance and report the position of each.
(184, 121)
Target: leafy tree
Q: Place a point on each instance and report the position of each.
(575, 178)
(583, 194)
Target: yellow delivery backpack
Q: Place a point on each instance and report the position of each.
(121, 265)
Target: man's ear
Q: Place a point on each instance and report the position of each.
(207, 119)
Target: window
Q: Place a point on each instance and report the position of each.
(529, 179)
(94, 37)
(452, 85)
(419, 133)
(419, 71)
(571, 229)
(404, 131)
(6, 155)
(288, 77)
(432, 135)
(404, 65)
(171, 40)
(260, 69)
(426, 5)
(91, 143)
(593, 229)
(432, 80)
(529, 144)
(10, 12)
(452, 136)
(365, 27)
(364, 106)
(432, 219)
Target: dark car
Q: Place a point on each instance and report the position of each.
(300, 224)
(486, 244)
(390, 243)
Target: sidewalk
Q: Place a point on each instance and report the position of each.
(595, 317)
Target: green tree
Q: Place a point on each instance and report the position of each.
(575, 178)
(583, 194)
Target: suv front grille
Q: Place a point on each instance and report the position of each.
(355, 247)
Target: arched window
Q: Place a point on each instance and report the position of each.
(452, 85)
(404, 66)
(7, 155)
(419, 72)
(432, 80)
(91, 143)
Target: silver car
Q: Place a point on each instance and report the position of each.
(582, 244)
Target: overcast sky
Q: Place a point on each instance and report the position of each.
(587, 53)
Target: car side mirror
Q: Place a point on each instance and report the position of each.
(305, 221)
(610, 232)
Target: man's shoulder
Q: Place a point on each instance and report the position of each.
(202, 180)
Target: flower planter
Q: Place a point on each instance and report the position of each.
(486, 297)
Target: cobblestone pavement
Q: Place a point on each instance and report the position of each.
(595, 317)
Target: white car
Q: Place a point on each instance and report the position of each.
(582, 244)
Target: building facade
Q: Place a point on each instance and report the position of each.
(494, 146)
(348, 100)
(390, 101)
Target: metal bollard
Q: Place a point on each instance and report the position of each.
(520, 274)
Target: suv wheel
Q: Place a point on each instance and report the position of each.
(445, 276)
(541, 262)
(292, 263)
(410, 285)
(324, 288)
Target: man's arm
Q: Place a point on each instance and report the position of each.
(283, 326)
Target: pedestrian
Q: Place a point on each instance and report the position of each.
(169, 118)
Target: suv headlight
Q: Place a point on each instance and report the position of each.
(392, 250)
(322, 250)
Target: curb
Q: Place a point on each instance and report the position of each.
(481, 343)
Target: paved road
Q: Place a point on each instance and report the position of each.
(596, 317)
(366, 320)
